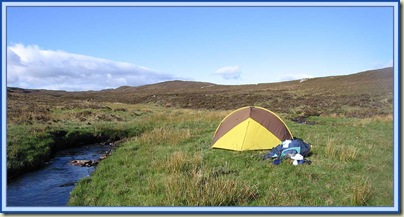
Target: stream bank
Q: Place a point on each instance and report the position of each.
(51, 185)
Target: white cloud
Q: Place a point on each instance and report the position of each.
(229, 72)
(295, 77)
(36, 68)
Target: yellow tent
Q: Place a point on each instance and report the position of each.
(251, 128)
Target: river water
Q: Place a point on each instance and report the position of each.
(52, 184)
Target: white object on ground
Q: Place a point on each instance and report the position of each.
(297, 157)
(286, 143)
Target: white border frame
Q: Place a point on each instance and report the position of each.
(201, 210)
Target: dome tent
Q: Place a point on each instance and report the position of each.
(250, 128)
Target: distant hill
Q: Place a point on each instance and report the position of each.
(371, 89)
(167, 86)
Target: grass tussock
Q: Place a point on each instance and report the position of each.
(361, 192)
(184, 191)
(348, 154)
(189, 186)
(168, 136)
(179, 162)
(340, 152)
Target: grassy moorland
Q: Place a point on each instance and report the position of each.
(172, 164)
(165, 130)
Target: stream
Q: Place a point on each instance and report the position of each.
(52, 184)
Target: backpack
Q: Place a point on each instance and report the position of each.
(288, 149)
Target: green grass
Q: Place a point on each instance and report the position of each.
(31, 144)
(164, 155)
(171, 164)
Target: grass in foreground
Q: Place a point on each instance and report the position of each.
(171, 164)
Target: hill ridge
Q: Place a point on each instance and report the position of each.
(372, 89)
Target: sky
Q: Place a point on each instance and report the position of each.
(94, 48)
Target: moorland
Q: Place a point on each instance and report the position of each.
(163, 133)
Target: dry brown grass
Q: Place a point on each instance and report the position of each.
(165, 135)
(188, 182)
(193, 189)
(348, 154)
(335, 150)
(179, 162)
(361, 192)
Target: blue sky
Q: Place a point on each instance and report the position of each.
(83, 48)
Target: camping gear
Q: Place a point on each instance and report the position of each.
(251, 128)
(297, 159)
(295, 149)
